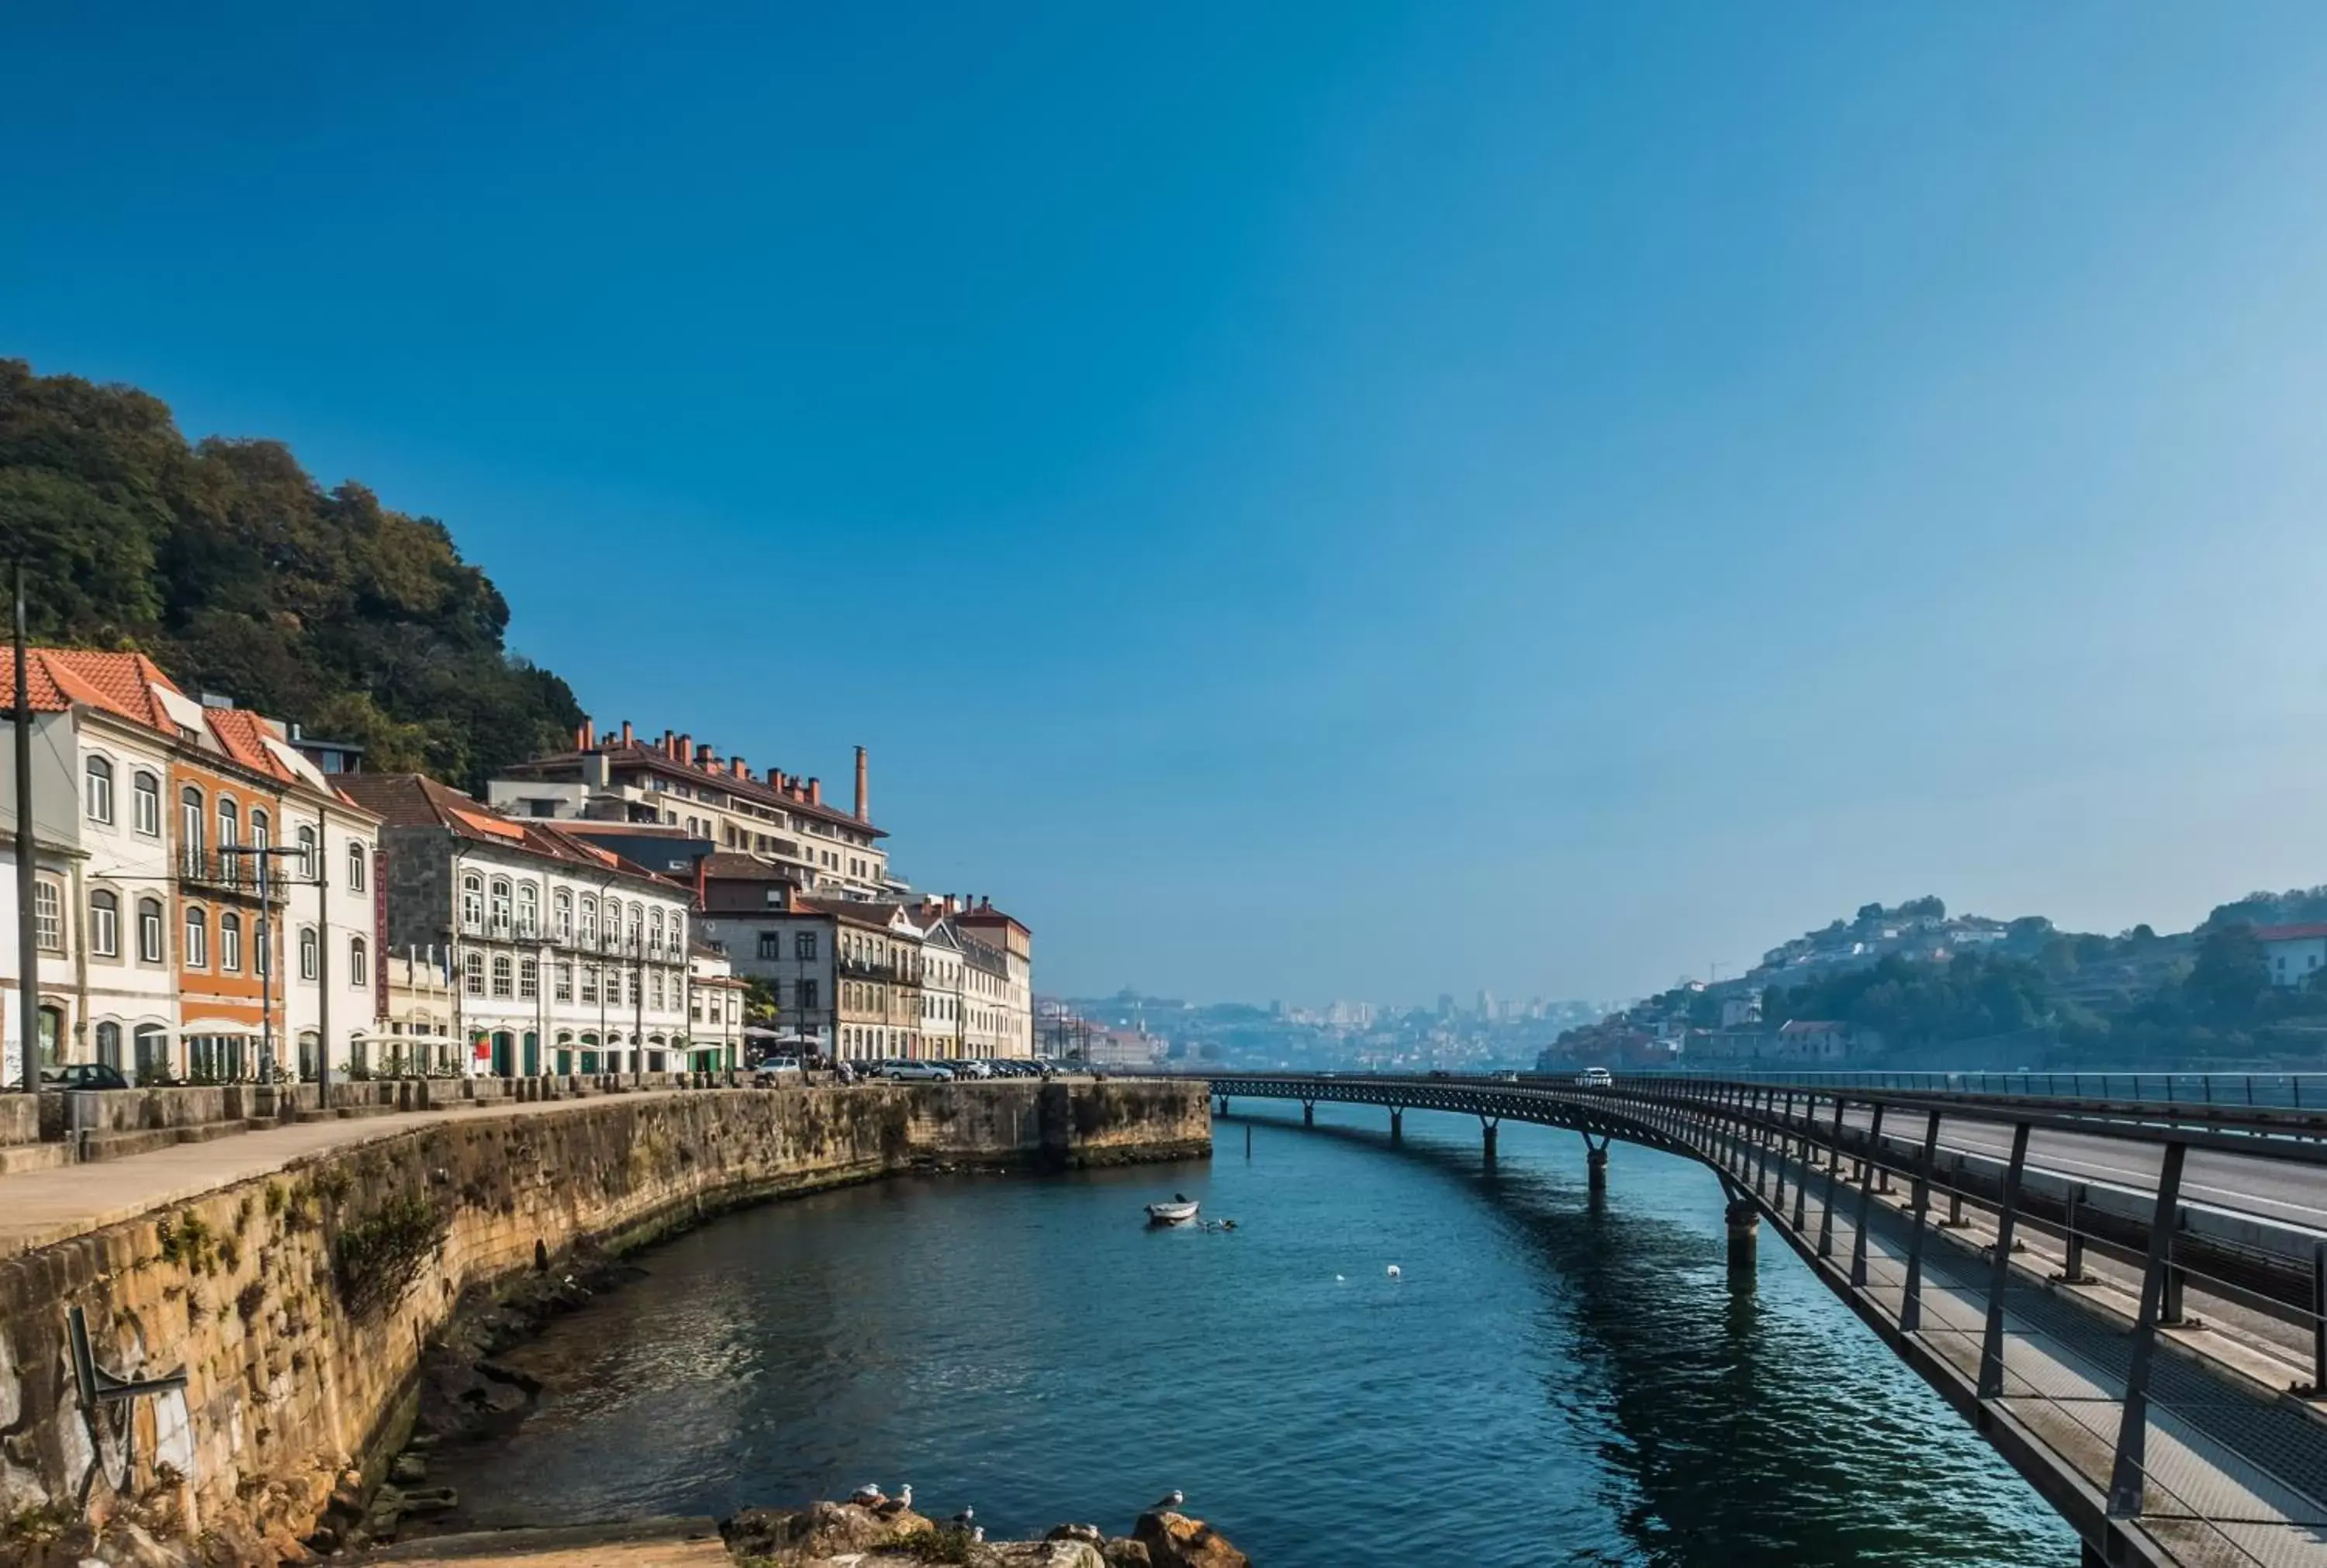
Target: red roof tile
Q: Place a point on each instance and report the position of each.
(121, 684)
(2301, 932)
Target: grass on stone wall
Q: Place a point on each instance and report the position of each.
(375, 1258)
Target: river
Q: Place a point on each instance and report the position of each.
(1540, 1385)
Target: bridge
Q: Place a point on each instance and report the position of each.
(2127, 1296)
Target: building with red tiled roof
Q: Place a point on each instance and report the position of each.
(566, 956)
(679, 784)
(2294, 954)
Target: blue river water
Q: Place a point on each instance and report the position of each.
(1541, 1384)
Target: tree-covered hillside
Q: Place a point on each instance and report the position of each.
(241, 574)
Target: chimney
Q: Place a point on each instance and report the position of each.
(815, 792)
(735, 765)
(776, 780)
(686, 748)
(626, 732)
(703, 756)
(668, 741)
(586, 736)
(863, 798)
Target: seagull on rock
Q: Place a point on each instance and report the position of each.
(1171, 1499)
(963, 1520)
(977, 1534)
(868, 1496)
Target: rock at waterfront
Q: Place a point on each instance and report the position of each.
(1090, 1533)
(1123, 1552)
(803, 1536)
(1039, 1555)
(1176, 1540)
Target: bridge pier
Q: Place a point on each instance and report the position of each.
(1396, 1124)
(1487, 1126)
(1595, 1170)
(1308, 1112)
(1743, 1222)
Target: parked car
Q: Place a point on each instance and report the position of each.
(85, 1075)
(923, 1072)
(1595, 1077)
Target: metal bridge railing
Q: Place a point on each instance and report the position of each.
(2280, 1091)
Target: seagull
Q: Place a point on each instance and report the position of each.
(1171, 1499)
(1396, 1272)
(905, 1495)
(977, 1534)
(1339, 1280)
(961, 1521)
(867, 1495)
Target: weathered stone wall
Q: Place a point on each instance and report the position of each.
(298, 1303)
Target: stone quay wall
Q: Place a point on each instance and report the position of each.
(298, 1304)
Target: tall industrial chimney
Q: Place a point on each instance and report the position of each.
(864, 796)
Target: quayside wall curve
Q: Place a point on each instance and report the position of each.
(298, 1303)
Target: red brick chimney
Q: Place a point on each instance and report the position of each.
(735, 765)
(586, 736)
(815, 792)
(703, 757)
(668, 741)
(686, 749)
(626, 732)
(863, 796)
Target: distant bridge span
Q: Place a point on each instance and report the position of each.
(2075, 1346)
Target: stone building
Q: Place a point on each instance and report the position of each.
(568, 958)
(1013, 1004)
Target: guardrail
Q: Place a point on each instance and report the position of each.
(2287, 1090)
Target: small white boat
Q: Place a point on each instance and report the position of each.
(1179, 1211)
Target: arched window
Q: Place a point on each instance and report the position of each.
(357, 861)
(677, 935)
(229, 821)
(528, 979)
(230, 941)
(105, 924)
(654, 991)
(502, 969)
(472, 973)
(149, 930)
(638, 927)
(654, 933)
(310, 952)
(500, 906)
(100, 794)
(190, 829)
(589, 922)
(472, 901)
(260, 836)
(108, 1044)
(307, 853)
(146, 797)
(151, 1043)
(564, 906)
(528, 910)
(198, 938)
(359, 964)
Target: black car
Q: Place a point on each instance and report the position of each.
(85, 1075)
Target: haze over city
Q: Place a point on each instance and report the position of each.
(1335, 502)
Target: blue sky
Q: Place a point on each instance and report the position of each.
(1313, 499)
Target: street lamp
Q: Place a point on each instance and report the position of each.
(264, 853)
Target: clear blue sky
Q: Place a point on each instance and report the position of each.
(1307, 499)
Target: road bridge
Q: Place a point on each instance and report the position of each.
(2128, 1297)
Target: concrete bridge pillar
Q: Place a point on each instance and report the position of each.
(1745, 1225)
(1487, 1126)
(1595, 1170)
(1308, 1112)
(1396, 1124)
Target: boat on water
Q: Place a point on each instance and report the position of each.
(1179, 1211)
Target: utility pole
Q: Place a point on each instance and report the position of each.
(28, 946)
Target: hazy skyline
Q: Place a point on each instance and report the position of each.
(1320, 501)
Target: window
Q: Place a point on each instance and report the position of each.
(190, 828)
(563, 907)
(634, 988)
(230, 941)
(358, 963)
(528, 909)
(771, 945)
(589, 922)
(472, 973)
(589, 982)
(310, 952)
(48, 917)
(472, 901)
(677, 935)
(638, 928)
(500, 906)
(307, 853)
(501, 975)
(100, 791)
(654, 934)
(146, 796)
(654, 991)
(565, 983)
(229, 865)
(808, 995)
(149, 930)
(804, 945)
(198, 938)
(105, 924)
(355, 864)
(108, 1044)
(528, 979)
(260, 838)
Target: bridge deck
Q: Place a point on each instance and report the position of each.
(2235, 1473)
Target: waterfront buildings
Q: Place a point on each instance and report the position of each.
(566, 956)
(2293, 954)
(193, 897)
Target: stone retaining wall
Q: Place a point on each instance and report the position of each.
(297, 1303)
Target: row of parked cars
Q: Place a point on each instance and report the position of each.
(900, 1070)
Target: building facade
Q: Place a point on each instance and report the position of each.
(1014, 1005)
(565, 956)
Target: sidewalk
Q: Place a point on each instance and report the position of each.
(42, 1207)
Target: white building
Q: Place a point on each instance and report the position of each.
(1012, 1005)
(2293, 954)
(715, 997)
(567, 959)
